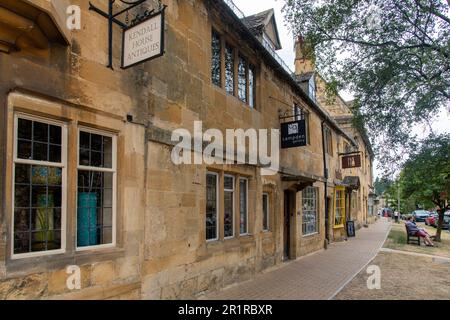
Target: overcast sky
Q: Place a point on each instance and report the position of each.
(249, 7)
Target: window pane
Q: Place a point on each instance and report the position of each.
(251, 86)
(24, 149)
(94, 208)
(55, 135)
(243, 206)
(40, 151)
(216, 60)
(265, 212)
(242, 79)
(37, 214)
(24, 129)
(211, 207)
(54, 153)
(39, 141)
(229, 69)
(309, 214)
(40, 132)
(228, 214)
(229, 183)
(95, 150)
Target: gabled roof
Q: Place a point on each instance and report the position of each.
(259, 24)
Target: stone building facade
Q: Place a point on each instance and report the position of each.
(88, 178)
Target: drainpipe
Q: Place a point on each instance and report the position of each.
(325, 175)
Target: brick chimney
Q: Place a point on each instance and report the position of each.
(302, 64)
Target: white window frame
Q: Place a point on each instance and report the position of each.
(233, 191)
(316, 192)
(265, 194)
(217, 206)
(246, 209)
(112, 170)
(62, 165)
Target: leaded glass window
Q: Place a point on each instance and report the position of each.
(96, 189)
(229, 206)
(310, 223)
(216, 59)
(211, 206)
(39, 184)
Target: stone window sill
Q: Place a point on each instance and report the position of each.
(21, 267)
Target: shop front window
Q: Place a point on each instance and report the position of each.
(96, 189)
(39, 186)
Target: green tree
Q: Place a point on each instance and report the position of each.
(381, 184)
(425, 177)
(394, 55)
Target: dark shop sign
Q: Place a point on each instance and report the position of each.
(352, 161)
(293, 134)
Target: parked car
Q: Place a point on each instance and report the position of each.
(431, 220)
(420, 215)
(446, 224)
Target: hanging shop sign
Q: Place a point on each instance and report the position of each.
(351, 161)
(143, 41)
(293, 134)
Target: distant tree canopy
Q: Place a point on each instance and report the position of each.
(394, 55)
(425, 177)
(381, 184)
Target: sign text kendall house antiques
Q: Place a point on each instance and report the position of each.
(144, 41)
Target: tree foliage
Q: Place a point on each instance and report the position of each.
(426, 174)
(381, 185)
(394, 55)
(425, 177)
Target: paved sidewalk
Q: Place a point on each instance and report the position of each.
(318, 276)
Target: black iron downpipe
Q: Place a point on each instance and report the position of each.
(325, 175)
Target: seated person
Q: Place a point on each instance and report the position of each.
(416, 231)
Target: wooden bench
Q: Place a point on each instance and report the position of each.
(411, 237)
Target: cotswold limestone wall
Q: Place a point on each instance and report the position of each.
(72, 84)
(161, 252)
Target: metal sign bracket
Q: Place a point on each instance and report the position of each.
(113, 19)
